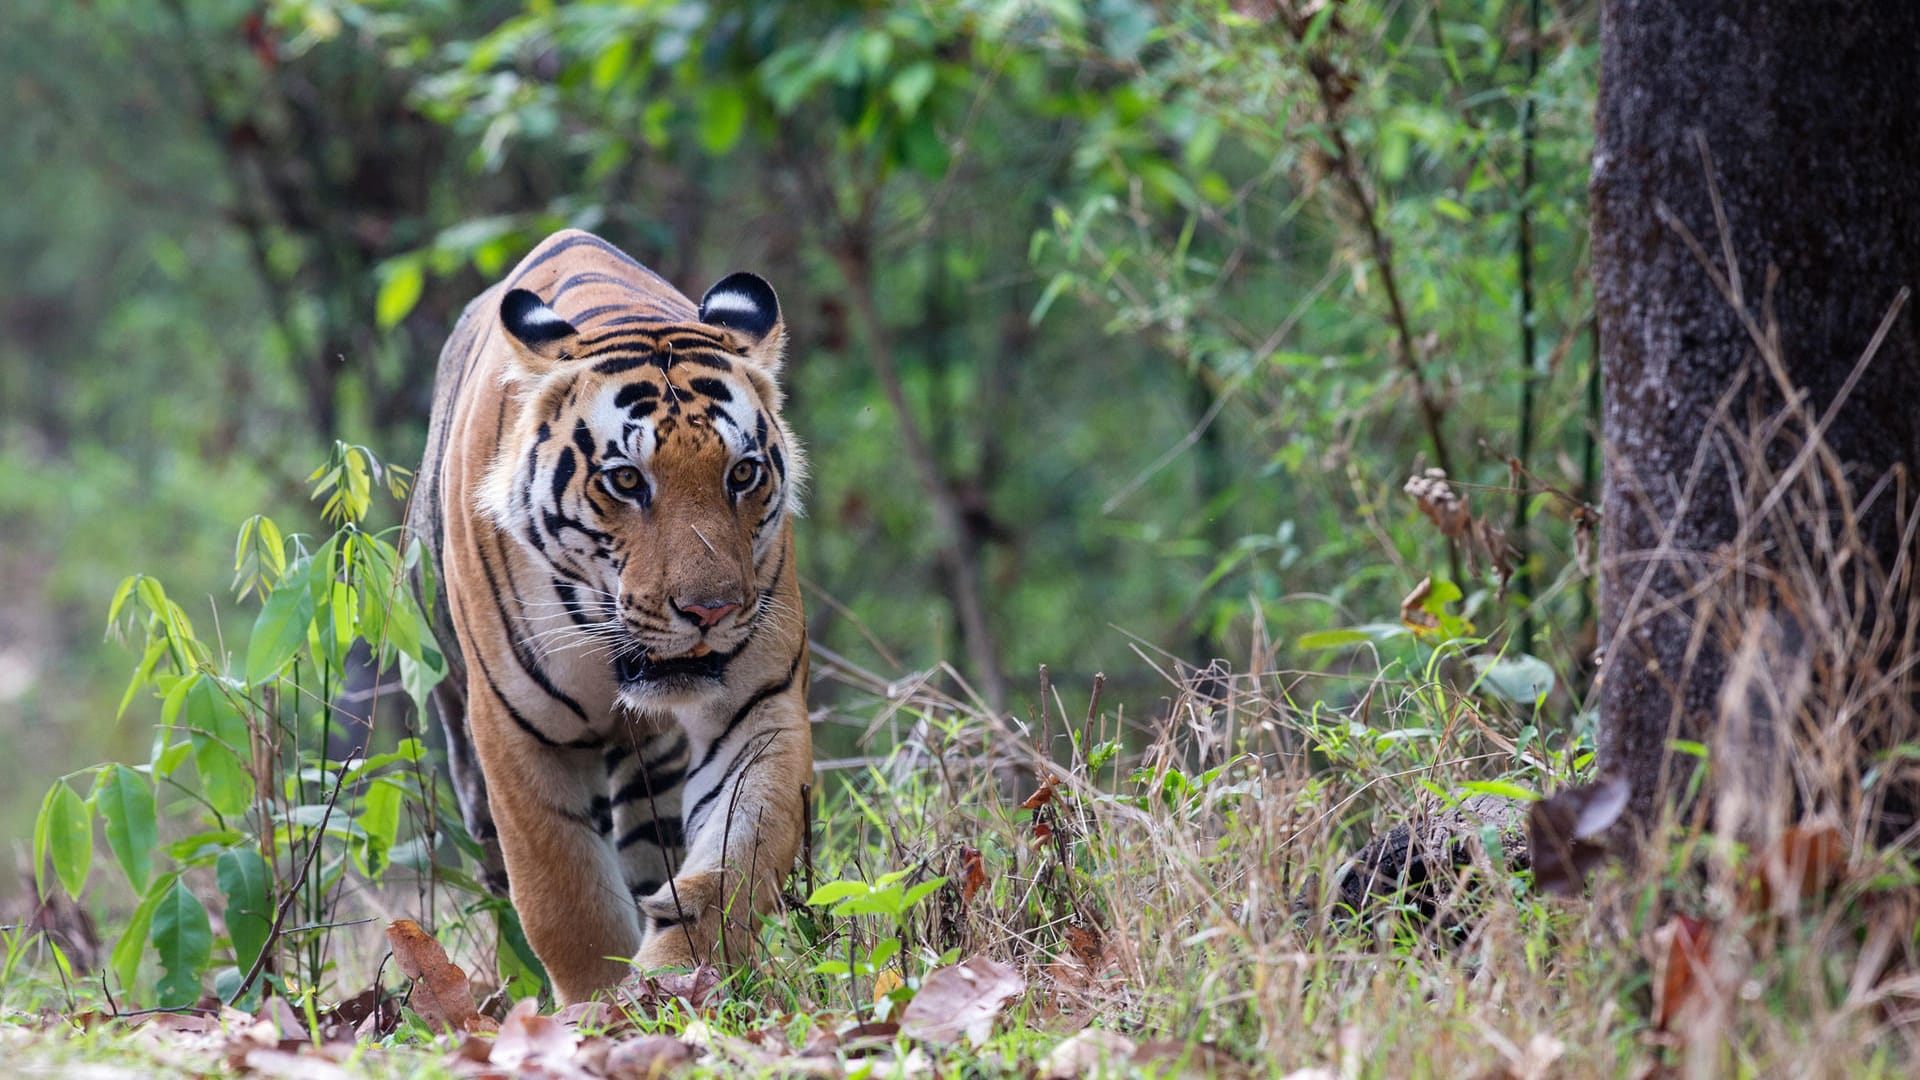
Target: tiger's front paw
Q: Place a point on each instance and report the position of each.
(683, 923)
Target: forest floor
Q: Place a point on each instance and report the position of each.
(1177, 901)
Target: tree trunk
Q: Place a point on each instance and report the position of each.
(1745, 576)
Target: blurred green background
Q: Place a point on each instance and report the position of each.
(1159, 286)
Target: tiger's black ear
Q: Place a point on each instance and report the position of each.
(744, 303)
(544, 337)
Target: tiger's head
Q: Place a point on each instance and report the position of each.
(650, 470)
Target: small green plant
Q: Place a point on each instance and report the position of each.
(264, 798)
(891, 900)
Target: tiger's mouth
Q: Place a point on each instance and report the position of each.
(641, 668)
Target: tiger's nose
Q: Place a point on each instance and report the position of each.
(707, 613)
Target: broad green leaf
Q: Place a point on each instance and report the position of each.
(220, 743)
(400, 290)
(64, 833)
(419, 677)
(836, 891)
(1518, 677)
(247, 884)
(125, 799)
(184, 939)
(125, 959)
(910, 87)
(920, 892)
(379, 818)
(279, 630)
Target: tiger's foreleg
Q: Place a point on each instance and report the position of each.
(565, 876)
(743, 818)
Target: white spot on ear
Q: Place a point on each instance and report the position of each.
(541, 316)
(721, 302)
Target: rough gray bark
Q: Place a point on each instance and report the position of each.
(1809, 117)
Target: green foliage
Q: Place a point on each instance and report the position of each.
(262, 785)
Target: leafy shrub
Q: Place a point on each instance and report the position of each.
(274, 808)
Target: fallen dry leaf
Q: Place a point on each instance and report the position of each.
(647, 1057)
(886, 983)
(1094, 1052)
(860, 1040)
(441, 994)
(591, 1015)
(287, 1023)
(961, 1001)
(648, 992)
(529, 1040)
(286, 1065)
(1172, 1057)
(1561, 831)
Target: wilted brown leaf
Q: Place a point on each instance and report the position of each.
(1043, 796)
(961, 1001)
(647, 1057)
(646, 992)
(1561, 831)
(287, 1023)
(440, 992)
(1479, 538)
(368, 1010)
(529, 1041)
(1436, 498)
(287, 1065)
(1411, 612)
(1684, 980)
(976, 873)
(860, 1040)
(1174, 1058)
(1805, 862)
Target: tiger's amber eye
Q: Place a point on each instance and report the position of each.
(745, 472)
(626, 478)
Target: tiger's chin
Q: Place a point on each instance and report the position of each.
(649, 681)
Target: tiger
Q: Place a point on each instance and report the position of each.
(608, 494)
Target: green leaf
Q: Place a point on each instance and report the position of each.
(836, 891)
(279, 630)
(910, 87)
(247, 884)
(400, 290)
(723, 116)
(220, 746)
(64, 833)
(127, 951)
(379, 817)
(125, 799)
(184, 939)
(1519, 678)
(1501, 789)
(921, 892)
(1332, 639)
